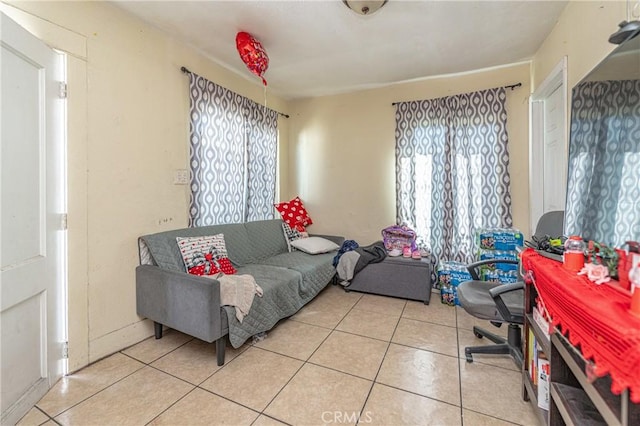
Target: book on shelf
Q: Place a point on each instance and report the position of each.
(532, 357)
(541, 320)
(544, 374)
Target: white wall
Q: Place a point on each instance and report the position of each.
(581, 34)
(128, 118)
(342, 150)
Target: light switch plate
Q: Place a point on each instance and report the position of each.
(181, 177)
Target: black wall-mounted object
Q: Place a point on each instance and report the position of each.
(627, 31)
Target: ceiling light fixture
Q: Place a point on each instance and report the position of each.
(364, 7)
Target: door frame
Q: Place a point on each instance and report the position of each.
(557, 79)
(52, 249)
(74, 45)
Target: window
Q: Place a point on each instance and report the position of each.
(452, 173)
(233, 156)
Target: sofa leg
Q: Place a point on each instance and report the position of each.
(220, 346)
(158, 329)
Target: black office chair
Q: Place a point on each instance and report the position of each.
(500, 303)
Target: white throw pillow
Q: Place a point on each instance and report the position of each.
(314, 245)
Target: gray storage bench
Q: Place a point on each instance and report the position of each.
(395, 276)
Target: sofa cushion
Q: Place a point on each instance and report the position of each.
(266, 239)
(166, 254)
(316, 269)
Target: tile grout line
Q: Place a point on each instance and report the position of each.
(459, 369)
(305, 361)
(49, 418)
(334, 330)
(95, 393)
(144, 364)
(374, 381)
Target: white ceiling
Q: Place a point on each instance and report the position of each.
(321, 47)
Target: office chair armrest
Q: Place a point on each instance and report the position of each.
(473, 267)
(505, 313)
(505, 288)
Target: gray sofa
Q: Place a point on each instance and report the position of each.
(170, 297)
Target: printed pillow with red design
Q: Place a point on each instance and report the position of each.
(294, 214)
(205, 255)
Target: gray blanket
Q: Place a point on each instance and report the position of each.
(354, 261)
(278, 301)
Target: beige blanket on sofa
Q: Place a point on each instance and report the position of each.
(238, 291)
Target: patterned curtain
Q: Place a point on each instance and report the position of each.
(452, 174)
(262, 147)
(603, 195)
(233, 147)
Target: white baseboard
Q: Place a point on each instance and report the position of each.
(22, 406)
(119, 339)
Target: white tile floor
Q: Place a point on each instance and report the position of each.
(344, 357)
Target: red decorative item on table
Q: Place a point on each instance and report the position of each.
(597, 319)
(252, 54)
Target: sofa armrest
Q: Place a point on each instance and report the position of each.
(335, 238)
(184, 302)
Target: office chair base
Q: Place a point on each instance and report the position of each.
(510, 346)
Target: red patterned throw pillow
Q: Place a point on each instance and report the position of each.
(294, 214)
(205, 255)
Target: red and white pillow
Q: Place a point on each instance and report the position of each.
(205, 255)
(294, 214)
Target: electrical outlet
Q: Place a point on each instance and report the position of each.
(181, 177)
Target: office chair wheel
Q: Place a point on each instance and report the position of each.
(468, 355)
(478, 335)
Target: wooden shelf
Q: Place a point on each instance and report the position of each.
(575, 407)
(607, 404)
(541, 337)
(532, 392)
(574, 399)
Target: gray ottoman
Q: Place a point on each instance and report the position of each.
(395, 276)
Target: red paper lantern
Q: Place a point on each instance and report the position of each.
(252, 54)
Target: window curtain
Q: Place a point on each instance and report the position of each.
(452, 175)
(603, 195)
(233, 149)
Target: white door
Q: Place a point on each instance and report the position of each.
(548, 145)
(554, 153)
(32, 207)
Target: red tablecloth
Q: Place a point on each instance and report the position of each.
(595, 318)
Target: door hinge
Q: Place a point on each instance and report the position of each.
(64, 221)
(62, 90)
(65, 350)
